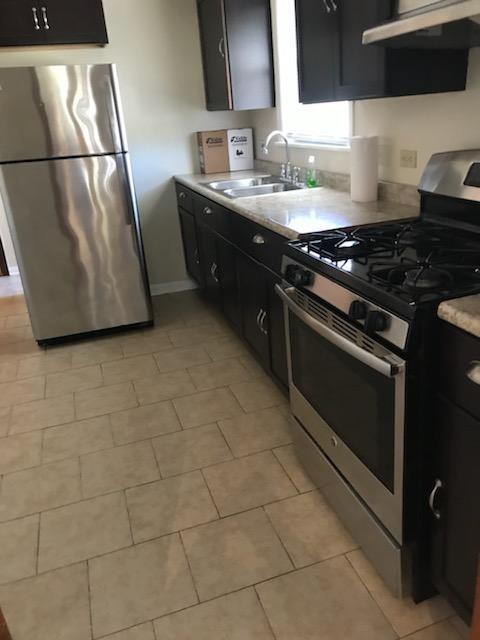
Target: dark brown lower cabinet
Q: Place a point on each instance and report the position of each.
(228, 274)
(237, 273)
(253, 294)
(456, 503)
(190, 245)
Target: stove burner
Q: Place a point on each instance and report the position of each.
(427, 279)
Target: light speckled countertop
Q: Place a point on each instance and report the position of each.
(292, 213)
(463, 313)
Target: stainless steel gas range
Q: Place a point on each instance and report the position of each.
(360, 309)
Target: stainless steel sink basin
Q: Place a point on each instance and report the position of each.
(260, 190)
(257, 186)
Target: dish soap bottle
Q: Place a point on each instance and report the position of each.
(311, 174)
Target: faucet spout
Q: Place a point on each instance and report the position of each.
(270, 137)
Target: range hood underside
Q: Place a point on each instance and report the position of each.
(427, 22)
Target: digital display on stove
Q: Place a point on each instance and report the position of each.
(473, 176)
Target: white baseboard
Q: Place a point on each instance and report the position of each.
(13, 271)
(172, 287)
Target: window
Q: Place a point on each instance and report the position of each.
(327, 123)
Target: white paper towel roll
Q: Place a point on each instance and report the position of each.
(364, 168)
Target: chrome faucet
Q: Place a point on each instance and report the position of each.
(287, 168)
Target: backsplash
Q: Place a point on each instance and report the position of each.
(387, 191)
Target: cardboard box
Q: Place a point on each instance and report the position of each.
(240, 149)
(225, 150)
(213, 151)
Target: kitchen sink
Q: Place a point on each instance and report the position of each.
(257, 186)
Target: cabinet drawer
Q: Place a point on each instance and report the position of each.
(212, 215)
(459, 370)
(184, 197)
(260, 243)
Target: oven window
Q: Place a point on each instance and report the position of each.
(357, 402)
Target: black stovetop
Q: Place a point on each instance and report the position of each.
(414, 262)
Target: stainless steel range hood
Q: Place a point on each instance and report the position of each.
(419, 15)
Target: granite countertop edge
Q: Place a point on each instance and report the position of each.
(463, 313)
(293, 213)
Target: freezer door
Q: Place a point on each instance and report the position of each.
(58, 111)
(74, 229)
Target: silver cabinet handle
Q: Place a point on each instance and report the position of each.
(213, 271)
(35, 19)
(196, 256)
(258, 318)
(431, 501)
(334, 5)
(45, 18)
(221, 47)
(207, 211)
(182, 195)
(263, 317)
(258, 239)
(327, 6)
(473, 372)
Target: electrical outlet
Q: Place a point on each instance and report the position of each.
(408, 159)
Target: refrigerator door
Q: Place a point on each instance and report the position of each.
(58, 111)
(75, 232)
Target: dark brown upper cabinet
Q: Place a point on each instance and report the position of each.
(236, 39)
(48, 22)
(333, 64)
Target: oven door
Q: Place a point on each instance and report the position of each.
(348, 392)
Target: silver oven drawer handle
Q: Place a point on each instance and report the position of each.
(182, 195)
(431, 501)
(207, 211)
(258, 239)
(473, 372)
(388, 369)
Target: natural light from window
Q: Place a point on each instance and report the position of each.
(324, 124)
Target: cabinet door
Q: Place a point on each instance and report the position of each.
(227, 261)
(457, 531)
(73, 22)
(253, 295)
(209, 261)
(276, 328)
(20, 23)
(190, 245)
(317, 37)
(361, 70)
(211, 19)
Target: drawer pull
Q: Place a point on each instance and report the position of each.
(182, 195)
(207, 211)
(263, 317)
(258, 318)
(213, 271)
(431, 501)
(258, 239)
(473, 372)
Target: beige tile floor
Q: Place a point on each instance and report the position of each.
(150, 491)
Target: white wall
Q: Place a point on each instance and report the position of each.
(156, 46)
(429, 123)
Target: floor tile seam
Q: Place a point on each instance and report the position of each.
(210, 494)
(157, 400)
(279, 539)
(260, 603)
(89, 592)
(190, 571)
(371, 594)
(129, 517)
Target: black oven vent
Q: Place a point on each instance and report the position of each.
(337, 324)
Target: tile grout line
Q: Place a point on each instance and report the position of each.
(90, 613)
(182, 542)
(254, 587)
(211, 495)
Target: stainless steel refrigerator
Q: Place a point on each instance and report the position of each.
(66, 186)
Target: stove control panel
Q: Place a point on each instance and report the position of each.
(375, 320)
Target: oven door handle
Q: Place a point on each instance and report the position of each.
(388, 369)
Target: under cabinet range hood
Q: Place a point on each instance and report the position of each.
(426, 22)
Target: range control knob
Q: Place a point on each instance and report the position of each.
(376, 321)
(298, 276)
(358, 310)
